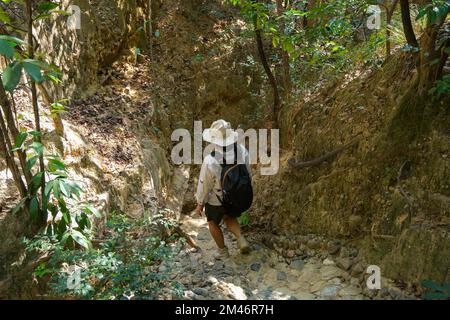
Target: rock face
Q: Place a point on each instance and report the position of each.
(107, 28)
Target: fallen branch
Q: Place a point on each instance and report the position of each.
(312, 163)
(188, 238)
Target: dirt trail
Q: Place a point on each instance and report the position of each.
(262, 274)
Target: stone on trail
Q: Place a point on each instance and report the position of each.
(334, 248)
(330, 272)
(305, 296)
(350, 291)
(201, 291)
(314, 244)
(212, 280)
(189, 294)
(281, 276)
(236, 293)
(330, 291)
(317, 286)
(218, 265)
(328, 262)
(297, 264)
(357, 269)
(255, 267)
(344, 263)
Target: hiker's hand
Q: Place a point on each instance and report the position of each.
(199, 209)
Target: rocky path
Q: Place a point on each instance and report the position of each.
(262, 274)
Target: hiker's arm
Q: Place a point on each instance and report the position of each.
(247, 162)
(205, 185)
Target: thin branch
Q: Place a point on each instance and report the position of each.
(29, 14)
(407, 24)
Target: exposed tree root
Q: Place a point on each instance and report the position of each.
(312, 163)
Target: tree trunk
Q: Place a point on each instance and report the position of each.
(13, 130)
(57, 121)
(29, 13)
(5, 148)
(272, 80)
(284, 54)
(407, 24)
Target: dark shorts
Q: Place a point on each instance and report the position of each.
(215, 213)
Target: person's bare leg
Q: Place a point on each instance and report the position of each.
(217, 234)
(233, 226)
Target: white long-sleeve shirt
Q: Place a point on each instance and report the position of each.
(209, 184)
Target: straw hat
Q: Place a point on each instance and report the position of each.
(220, 134)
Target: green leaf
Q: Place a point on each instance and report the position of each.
(12, 39)
(65, 237)
(422, 13)
(81, 239)
(38, 147)
(34, 209)
(49, 187)
(67, 218)
(62, 204)
(35, 182)
(55, 165)
(91, 210)
(33, 70)
(6, 49)
(19, 206)
(4, 16)
(31, 162)
(35, 133)
(11, 76)
(47, 6)
(20, 139)
(435, 296)
(63, 188)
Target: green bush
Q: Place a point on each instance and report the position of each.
(121, 267)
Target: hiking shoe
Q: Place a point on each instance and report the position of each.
(244, 247)
(222, 254)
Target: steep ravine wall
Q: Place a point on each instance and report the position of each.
(107, 29)
(398, 218)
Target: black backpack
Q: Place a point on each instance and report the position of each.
(236, 186)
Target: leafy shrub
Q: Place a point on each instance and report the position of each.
(435, 291)
(121, 267)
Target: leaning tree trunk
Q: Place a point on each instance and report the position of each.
(11, 128)
(29, 13)
(272, 80)
(284, 55)
(407, 24)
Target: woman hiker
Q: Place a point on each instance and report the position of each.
(209, 191)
